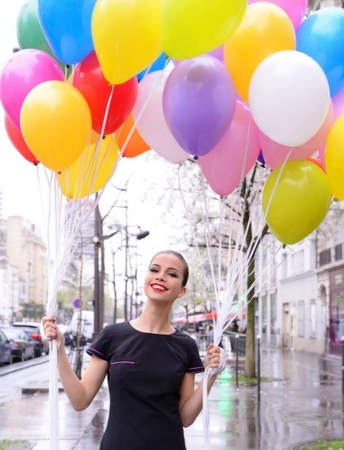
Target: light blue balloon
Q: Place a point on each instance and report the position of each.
(321, 36)
(158, 64)
(66, 25)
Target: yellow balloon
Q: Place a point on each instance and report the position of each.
(264, 30)
(126, 36)
(193, 27)
(334, 158)
(92, 170)
(56, 123)
(296, 198)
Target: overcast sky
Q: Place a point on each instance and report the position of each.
(17, 177)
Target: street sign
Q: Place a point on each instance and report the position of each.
(77, 303)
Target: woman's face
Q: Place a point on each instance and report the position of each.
(164, 278)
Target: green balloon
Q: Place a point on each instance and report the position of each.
(30, 33)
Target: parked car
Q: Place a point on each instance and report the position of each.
(22, 347)
(5, 349)
(32, 329)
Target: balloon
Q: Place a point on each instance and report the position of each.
(18, 142)
(25, 70)
(67, 27)
(296, 9)
(317, 161)
(129, 140)
(289, 97)
(265, 29)
(276, 154)
(29, 31)
(321, 36)
(199, 103)
(191, 29)
(56, 124)
(126, 36)
(296, 198)
(235, 155)
(334, 158)
(91, 171)
(338, 104)
(217, 53)
(158, 64)
(108, 103)
(150, 120)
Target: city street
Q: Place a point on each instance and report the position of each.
(300, 401)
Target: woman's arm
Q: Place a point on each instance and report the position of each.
(191, 400)
(80, 392)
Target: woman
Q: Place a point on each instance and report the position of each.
(150, 366)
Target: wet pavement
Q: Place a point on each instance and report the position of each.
(301, 401)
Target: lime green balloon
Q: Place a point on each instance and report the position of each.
(296, 198)
(30, 34)
(193, 27)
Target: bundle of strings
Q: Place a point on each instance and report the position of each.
(238, 235)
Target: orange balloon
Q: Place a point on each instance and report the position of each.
(265, 29)
(316, 161)
(129, 139)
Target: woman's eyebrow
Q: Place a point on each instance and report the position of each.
(168, 268)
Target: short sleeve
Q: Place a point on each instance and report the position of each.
(100, 347)
(195, 362)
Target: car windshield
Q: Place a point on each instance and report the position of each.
(11, 334)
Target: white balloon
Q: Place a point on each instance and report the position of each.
(150, 120)
(289, 97)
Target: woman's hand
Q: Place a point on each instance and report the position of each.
(215, 358)
(51, 330)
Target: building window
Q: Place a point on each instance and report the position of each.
(301, 318)
(325, 257)
(338, 252)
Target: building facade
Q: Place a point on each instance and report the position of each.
(23, 267)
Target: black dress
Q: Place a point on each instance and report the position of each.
(145, 374)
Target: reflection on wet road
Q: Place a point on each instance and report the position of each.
(301, 402)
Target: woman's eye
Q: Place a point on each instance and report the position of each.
(174, 275)
(153, 270)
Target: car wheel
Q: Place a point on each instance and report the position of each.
(22, 359)
(10, 359)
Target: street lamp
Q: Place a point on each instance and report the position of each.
(98, 239)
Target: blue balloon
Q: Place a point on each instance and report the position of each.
(66, 25)
(321, 36)
(158, 64)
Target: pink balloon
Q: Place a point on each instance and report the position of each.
(276, 154)
(338, 104)
(24, 71)
(235, 155)
(150, 120)
(295, 9)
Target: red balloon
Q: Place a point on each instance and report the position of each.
(18, 142)
(89, 80)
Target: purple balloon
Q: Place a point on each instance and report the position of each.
(199, 103)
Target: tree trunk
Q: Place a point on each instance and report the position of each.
(250, 361)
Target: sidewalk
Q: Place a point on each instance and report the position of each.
(302, 402)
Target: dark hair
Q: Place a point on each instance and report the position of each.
(181, 258)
